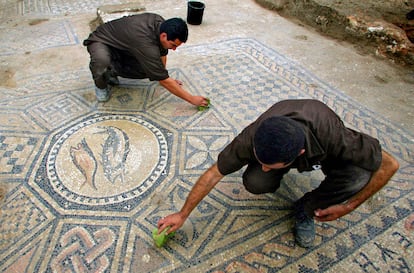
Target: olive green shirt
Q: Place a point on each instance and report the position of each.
(328, 143)
(136, 36)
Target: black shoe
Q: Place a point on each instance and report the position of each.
(113, 80)
(304, 227)
(410, 15)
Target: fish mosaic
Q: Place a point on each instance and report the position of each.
(84, 159)
(115, 150)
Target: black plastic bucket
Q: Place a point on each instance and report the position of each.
(195, 12)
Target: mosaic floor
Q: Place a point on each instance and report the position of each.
(88, 182)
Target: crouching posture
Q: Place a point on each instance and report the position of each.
(136, 47)
(305, 135)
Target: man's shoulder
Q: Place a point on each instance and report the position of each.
(148, 15)
(299, 109)
(301, 103)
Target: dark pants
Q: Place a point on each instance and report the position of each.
(338, 186)
(109, 62)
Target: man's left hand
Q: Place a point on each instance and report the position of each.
(332, 213)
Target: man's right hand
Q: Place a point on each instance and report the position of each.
(199, 101)
(174, 221)
(176, 88)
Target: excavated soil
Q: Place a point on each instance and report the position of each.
(383, 28)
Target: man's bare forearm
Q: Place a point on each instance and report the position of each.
(173, 87)
(389, 166)
(202, 187)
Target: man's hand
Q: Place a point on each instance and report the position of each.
(175, 87)
(332, 213)
(199, 101)
(174, 221)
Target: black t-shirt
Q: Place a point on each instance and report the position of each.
(139, 35)
(327, 141)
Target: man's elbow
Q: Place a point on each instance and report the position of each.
(164, 81)
(390, 163)
(394, 165)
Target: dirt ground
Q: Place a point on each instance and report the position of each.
(375, 27)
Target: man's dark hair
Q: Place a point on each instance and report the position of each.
(278, 140)
(175, 28)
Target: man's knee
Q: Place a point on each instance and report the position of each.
(256, 181)
(256, 186)
(348, 180)
(100, 57)
(99, 66)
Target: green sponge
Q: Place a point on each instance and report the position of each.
(202, 108)
(162, 238)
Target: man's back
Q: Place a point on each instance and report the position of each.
(129, 32)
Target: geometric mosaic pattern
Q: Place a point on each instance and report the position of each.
(45, 35)
(51, 7)
(86, 192)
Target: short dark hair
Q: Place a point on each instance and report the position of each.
(278, 139)
(175, 28)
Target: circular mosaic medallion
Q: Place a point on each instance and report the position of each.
(107, 159)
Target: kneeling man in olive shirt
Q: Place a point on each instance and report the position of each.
(136, 47)
(305, 135)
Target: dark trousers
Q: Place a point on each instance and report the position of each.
(109, 62)
(338, 186)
